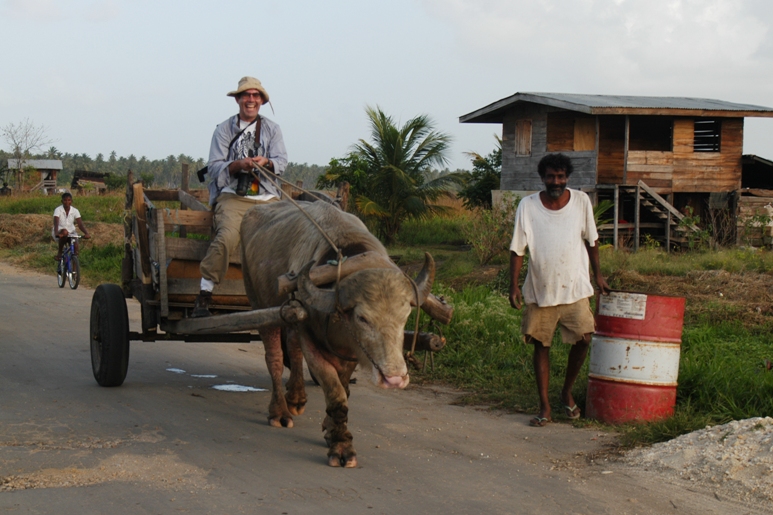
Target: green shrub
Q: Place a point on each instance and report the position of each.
(490, 231)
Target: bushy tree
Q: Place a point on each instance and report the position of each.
(485, 176)
(388, 173)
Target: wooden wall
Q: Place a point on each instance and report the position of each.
(655, 168)
(555, 130)
(519, 172)
(611, 158)
(708, 171)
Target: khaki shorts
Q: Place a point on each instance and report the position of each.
(576, 320)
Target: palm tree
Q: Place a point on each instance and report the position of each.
(395, 162)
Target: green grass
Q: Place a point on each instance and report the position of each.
(485, 353)
(93, 208)
(722, 377)
(722, 370)
(98, 264)
(658, 262)
(438, 230)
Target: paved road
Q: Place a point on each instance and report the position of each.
(166, 442)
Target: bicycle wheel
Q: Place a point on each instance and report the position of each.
(61, 272)
(74, 273)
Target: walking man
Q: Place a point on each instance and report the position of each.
(558, 228)
(239, 144)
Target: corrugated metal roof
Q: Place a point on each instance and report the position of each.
(618, 104)
(40, 164)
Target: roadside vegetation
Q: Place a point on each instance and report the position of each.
(727, 349)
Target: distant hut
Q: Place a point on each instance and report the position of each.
(48, 169)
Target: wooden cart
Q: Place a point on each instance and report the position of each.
(163, 247)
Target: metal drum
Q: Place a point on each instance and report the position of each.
(634, 358)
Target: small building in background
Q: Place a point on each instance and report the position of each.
(658, 159)
(48, 169)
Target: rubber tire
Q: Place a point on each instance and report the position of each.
(75, 277)
(109, 335)
(60, 274)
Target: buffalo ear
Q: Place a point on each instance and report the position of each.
(425, 279)
(317, 298)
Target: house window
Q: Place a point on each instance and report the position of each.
(707, 135)
(523, 137)
(651, 133)
(570, 132)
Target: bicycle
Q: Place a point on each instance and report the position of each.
(69, 266)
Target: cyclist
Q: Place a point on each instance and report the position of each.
(65, 219)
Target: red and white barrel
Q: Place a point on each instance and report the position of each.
(634, 358)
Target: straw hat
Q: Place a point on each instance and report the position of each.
(246, 83)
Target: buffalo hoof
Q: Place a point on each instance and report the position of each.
(340, 461)
(280, 421)
(296, 409)
(342, 454)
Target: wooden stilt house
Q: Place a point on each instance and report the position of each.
(657, 158)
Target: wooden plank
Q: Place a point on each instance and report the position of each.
(161, 252)
(560, 131)
(647, 168)
(177, 217)
(192, 287)
(662, 186)
(127, 263)
(626, 145)
(584, 133)
(523, 131)
(187, 269)
(179, 248)
(191, 202)
(141, 234)
(195, 250)
(665, 111)
(218, 301)
(241, 321)
(637, 218)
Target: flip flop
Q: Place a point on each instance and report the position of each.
(572, 412)
(539, 421)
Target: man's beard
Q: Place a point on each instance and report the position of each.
(555, 192)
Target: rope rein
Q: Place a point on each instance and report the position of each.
(339, 258)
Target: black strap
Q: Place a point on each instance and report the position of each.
(201, 174)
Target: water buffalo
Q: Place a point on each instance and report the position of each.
(363, 322)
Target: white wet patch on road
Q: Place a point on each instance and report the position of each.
(230, 387)
(237, 388)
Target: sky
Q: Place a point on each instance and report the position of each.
(150, 77)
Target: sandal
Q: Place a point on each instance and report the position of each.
(539, 421)
(572, 412)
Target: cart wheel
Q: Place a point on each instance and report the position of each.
(61, 274)
(74, 274)
(109, 335)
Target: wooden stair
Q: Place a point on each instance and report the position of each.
(673, 229)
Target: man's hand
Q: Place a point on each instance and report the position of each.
(87, 236)
(516, 299)
(602, 284)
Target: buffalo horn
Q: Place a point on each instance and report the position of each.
(317, 298)
(425, 278)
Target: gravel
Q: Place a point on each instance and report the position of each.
(735, 459)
